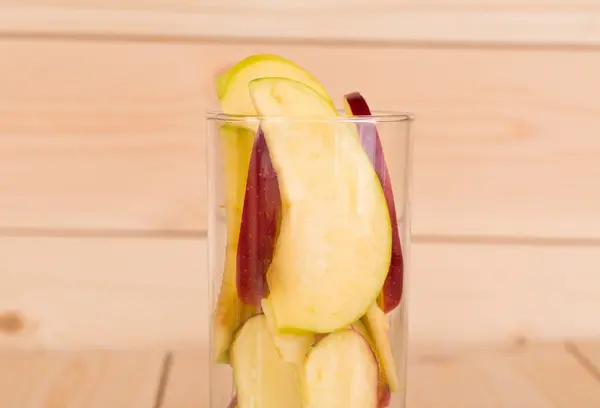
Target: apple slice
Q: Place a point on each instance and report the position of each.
(376, 322)
(356, 105)
(359, 327)
(341, 372)
(232, 86)
(259, 225)
(235, 145)
(334, 244)
(262, 379)
(384, 388)
(262, 203)
(385, 397)
(233, 403)
(291, 347)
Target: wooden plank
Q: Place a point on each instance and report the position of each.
(535, 377)
(188, 380)
(101, 292)
(520, 24)
(64, 5)
(309, 5)
(130, 292)
(589, 353)
(69, 379)
(502, 293)
(122, 147)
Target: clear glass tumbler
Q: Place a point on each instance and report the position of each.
(309, 241)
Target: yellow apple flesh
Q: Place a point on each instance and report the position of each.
(334, 245)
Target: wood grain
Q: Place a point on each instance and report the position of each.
(312, 5)
(68, 379)
(483, 22)
(132, 292)
(188, 380)
(535, 377)
(589, 354)
(102, 292)
(112, 137)
(507, 293)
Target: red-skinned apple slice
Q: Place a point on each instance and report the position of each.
(233, 403)
(258, 230)
(230, 312)
(385, 397)
(341, 372)
(376, 323)
(262, 379)
(262, 198)
(356, 105)
(359, 327)
(333, 248)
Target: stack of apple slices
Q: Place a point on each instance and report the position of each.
(313, 260)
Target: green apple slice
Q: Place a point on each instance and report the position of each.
(341, 372)
(378, 327)
(291, 347)
(236, 145)
(232, 86)
(332, 254)
(262, 379)
(221, 82)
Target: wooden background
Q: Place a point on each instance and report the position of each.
(102, 143)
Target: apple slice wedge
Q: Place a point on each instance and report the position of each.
(232, 85)
(359, 327)
(385, 397)
(261, 204)
(376, 323)
(292, 348)
(356, 105)
(233, 403)
(341, 372)
(259, 225)
(262, 379)
(334, 245)
(235, 145)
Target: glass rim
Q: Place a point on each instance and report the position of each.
(377, 116)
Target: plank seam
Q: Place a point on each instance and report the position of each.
(28, 232)
(163, 382)
(429, 239)
(400, 25)
(585, 362)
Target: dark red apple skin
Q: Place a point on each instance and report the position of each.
(385, 397)
(233, 402)
(258, 229)
(371, 143)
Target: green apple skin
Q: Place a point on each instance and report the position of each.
(262, 205)
(232, 86)
(333, 250)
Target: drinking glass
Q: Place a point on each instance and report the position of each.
(308, 252)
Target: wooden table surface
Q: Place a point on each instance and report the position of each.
(527, 376)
